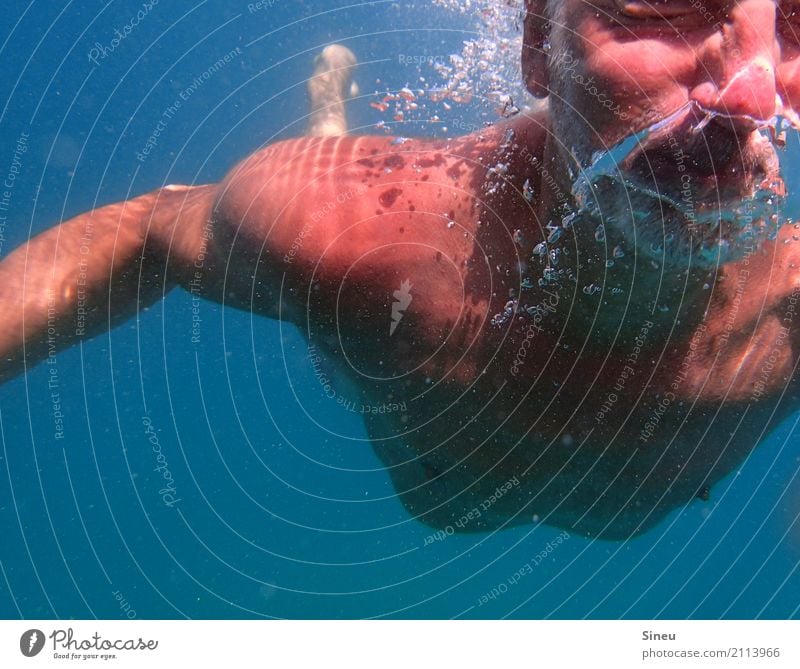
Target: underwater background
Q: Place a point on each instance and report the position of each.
(276, 505)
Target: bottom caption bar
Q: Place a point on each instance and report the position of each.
(388, 644)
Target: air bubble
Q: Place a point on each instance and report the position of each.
(600, 233)
(549, 274)
(527, 190)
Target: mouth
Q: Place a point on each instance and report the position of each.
(690, 187)
(690, 150)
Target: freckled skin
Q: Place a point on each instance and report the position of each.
(610, 413)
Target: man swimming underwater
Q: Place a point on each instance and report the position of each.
(590, 346)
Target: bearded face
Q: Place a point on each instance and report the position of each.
(684, 99)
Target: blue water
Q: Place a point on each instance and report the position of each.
(283, 510)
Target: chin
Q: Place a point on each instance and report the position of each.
(666, 231)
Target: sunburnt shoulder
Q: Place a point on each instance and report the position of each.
(369, 212)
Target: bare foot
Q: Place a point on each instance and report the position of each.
(329, 86)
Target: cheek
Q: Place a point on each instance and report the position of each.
(642, 70)
(789, 82)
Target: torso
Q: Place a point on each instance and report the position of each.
(588, 437)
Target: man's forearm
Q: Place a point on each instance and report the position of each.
(75, 280)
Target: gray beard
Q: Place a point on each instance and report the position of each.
(669, 229)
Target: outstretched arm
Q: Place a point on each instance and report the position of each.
(96, 270)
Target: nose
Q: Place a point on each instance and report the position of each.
(744, 90)
(747, 100)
